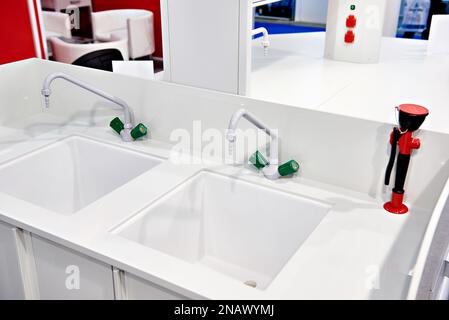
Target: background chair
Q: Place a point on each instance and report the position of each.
(101, 59)
(56, 24)
(141, 36)
(64, 51)
(137, 26)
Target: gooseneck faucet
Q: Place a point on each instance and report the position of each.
(126, 131)
(242, 113)
(265, 38)
(270, 168)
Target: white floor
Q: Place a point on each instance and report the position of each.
(295, 73)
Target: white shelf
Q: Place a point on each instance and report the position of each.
(257, 3)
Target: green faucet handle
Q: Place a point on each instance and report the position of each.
(288, 168)
(258, 160)
(117, 125)
(139, 131)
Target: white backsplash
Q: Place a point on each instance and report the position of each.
(338, 150)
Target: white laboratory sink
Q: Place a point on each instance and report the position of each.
(72, 173)
(240, 229)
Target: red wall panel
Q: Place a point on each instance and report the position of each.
(152, 5)
(16, 35)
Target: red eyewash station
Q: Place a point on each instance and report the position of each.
(411, 117)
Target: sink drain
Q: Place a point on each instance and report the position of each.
(251, 283)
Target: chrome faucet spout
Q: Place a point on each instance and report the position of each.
(265, 37)
(128, 113)
(271, 170)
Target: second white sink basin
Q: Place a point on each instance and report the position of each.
(240, 229)
(72, 173)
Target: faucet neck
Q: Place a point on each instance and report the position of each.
(46, 92)
(274, 143)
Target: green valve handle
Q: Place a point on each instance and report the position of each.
(117, 125)
(139, 131)
(288, 168)
(258, 160)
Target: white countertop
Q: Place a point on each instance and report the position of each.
(339, 260)
(295, 73)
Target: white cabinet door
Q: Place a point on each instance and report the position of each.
(11, 282)
(139, 289)
(65, 274)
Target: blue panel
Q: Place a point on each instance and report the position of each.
(277, 28)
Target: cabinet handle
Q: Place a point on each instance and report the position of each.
(118, 278)
(26, 263)
(444, 290)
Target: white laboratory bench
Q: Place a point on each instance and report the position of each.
(295, 73)
(357, 250)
